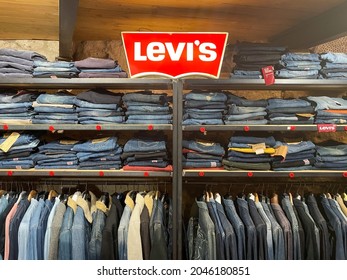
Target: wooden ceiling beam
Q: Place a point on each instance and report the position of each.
(67, 22)
(323, 28)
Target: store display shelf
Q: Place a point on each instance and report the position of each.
(259, 84)
(81, 173)
(85, 127)
(270, 127)
(265, 173)
(79, 83)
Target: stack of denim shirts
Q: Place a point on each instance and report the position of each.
(145, 107)
(57, 155)
(329, 109)
(299, 156)
(252, 57)
(244, 111)
(16, 107)
(20, 155)
(290, 111)
(55, 108)
(331, 157)
(242, 154)
(334, 65)
(202, 154)
(18, 63)
(99, 106)
(204, 108)
(92, 67)
(101, 153)
(59, 69)
(299, 66)
(145, 154)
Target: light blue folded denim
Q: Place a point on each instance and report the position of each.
(334, 121)
(241, 101)
(218, 115)
(59, 163)
(57, 98)
(206, 96)
(237, 110)
(246, 122)
(111, 119)
(86, 104)
(145, 97)
(301, 57)
(45, 121)
(153, 121)
(202, 111)
(325, 114)
(26, 105)
(149, 117)
(339, 75)
(96, 145)
(58, 64)
(203, 121)
(57, 166)
(247, 73)
(331, 65)
(338, 150)
(298, 147)
(56, 117)
(135, 103)
(23, 139)
(246, 140)
(149, 108)
(53, 69)
(326, 102)
(286, 103)
(334, 57)
(246, 76)
(331, 158)
(245, 116)
(292, 74)
(84, 156)
(46, 109)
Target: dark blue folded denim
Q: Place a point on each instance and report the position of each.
(331, 165)
(43, 109)
(97, 145)
(101, 167)
(151, 163)
(204, 147)
(138, 103)
(98, 164)
(246, 140)
(333, 121)
(64, 145)
(250, 159)
(111, 119)
(135, 113)
(23, 139)
(100, 113)
(301, 57)
(246, 155)
(58, 163)
(257, 115)
(338, 75)
(203, 156)
(232, 165)
(293, 163)
(300, 155)
(297, 147)
(286, 103)
(84, 156)
(204, 104)
(40, 121)
(149, 108)
(337, 150)
(145, 97)
(201, 164)
(144, 145)
(86, 104)
(203, 116)
(331, 158)
(150, 121)
(15, 110)
(239, 110)
(56, 117)
(309, 121)
(56, 166)
(41, 158)
(150, 117)
(49, 74)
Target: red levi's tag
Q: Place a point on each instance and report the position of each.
(326, 127)
(268, 75)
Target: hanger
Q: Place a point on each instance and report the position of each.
(129, 200)
(32, 194)
(149, 201)
(218, 198)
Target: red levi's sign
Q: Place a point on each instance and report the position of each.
(175, 54)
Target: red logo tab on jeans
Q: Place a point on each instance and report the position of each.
(268, 75)
(175, 54)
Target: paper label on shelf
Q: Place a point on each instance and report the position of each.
(9, 142)
(174, 54)
(281, 151)
(326, 127)
(68, 142)
(259, 148)
(213, 164)
(268, 75)
(100, 140)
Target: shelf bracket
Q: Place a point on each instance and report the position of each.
(67, 23)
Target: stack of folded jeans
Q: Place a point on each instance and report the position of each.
(20, 154)
(252, 57)
(92, 67)
(244, 111)
(99, 106)
(145, 107)
(287, 111)
(202, 154)
(59, 69)
(55, 108)
(57, 155)
(102, 153)
(334, 65)
(204, 108)
(16, 107)
(252, 153)
(329, 109)
(299, 66)
(145, 154)
(299, 156)
(18, 63)
(331, 157)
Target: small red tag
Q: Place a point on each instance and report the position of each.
(246, 128)
(344, 174)
(98, 127)
(326, 127)
(201, 174)
(5, 127)
(9, 173)
(101, 173)
(146, 174)
(268, 75)
(202, 129)
(250, 174)
(51, 128)
(51, 173)
(150, 127)
(291, 175)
